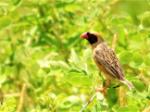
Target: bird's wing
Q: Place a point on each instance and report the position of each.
(107, 58)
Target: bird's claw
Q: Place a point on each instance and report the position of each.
(103, 90)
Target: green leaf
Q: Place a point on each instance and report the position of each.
(128, 109)
(4, 22)
(147, 57)
(111, 96)
(69, 102)
(125, 57)
(137, 60)
(139, 85)
(78, 79)
(16, 2)
(145, 19)
(73, 57)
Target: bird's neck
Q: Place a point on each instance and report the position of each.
(94, 45)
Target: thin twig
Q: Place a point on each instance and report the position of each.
(11, 95)
(22, 97)
(90, 100)
(114, 41)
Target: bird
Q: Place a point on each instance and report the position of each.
(106, 61)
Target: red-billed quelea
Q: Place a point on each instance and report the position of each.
(106, 60)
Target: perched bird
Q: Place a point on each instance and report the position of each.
(106, 60)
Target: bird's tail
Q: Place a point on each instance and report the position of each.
(128, 83)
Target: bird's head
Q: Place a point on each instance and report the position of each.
(92, 37)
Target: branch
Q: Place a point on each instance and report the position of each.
(122, 96)
(114, 41)
(12, 95)
(90, 100)
(146, 109)
(21, 100)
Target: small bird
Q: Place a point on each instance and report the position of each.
(106, 60)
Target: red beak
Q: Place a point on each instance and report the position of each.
(84, 35)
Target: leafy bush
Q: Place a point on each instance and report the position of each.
(46, 67)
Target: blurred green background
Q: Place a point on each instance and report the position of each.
(46, 67)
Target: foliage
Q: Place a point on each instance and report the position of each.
(41, 48)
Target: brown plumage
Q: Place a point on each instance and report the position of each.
(106, 59)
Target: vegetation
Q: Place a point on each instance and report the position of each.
(46, 67)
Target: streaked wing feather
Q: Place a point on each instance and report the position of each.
(106, 57)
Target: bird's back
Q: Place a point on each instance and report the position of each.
(107, 61)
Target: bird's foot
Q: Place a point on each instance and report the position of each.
(103, 90)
